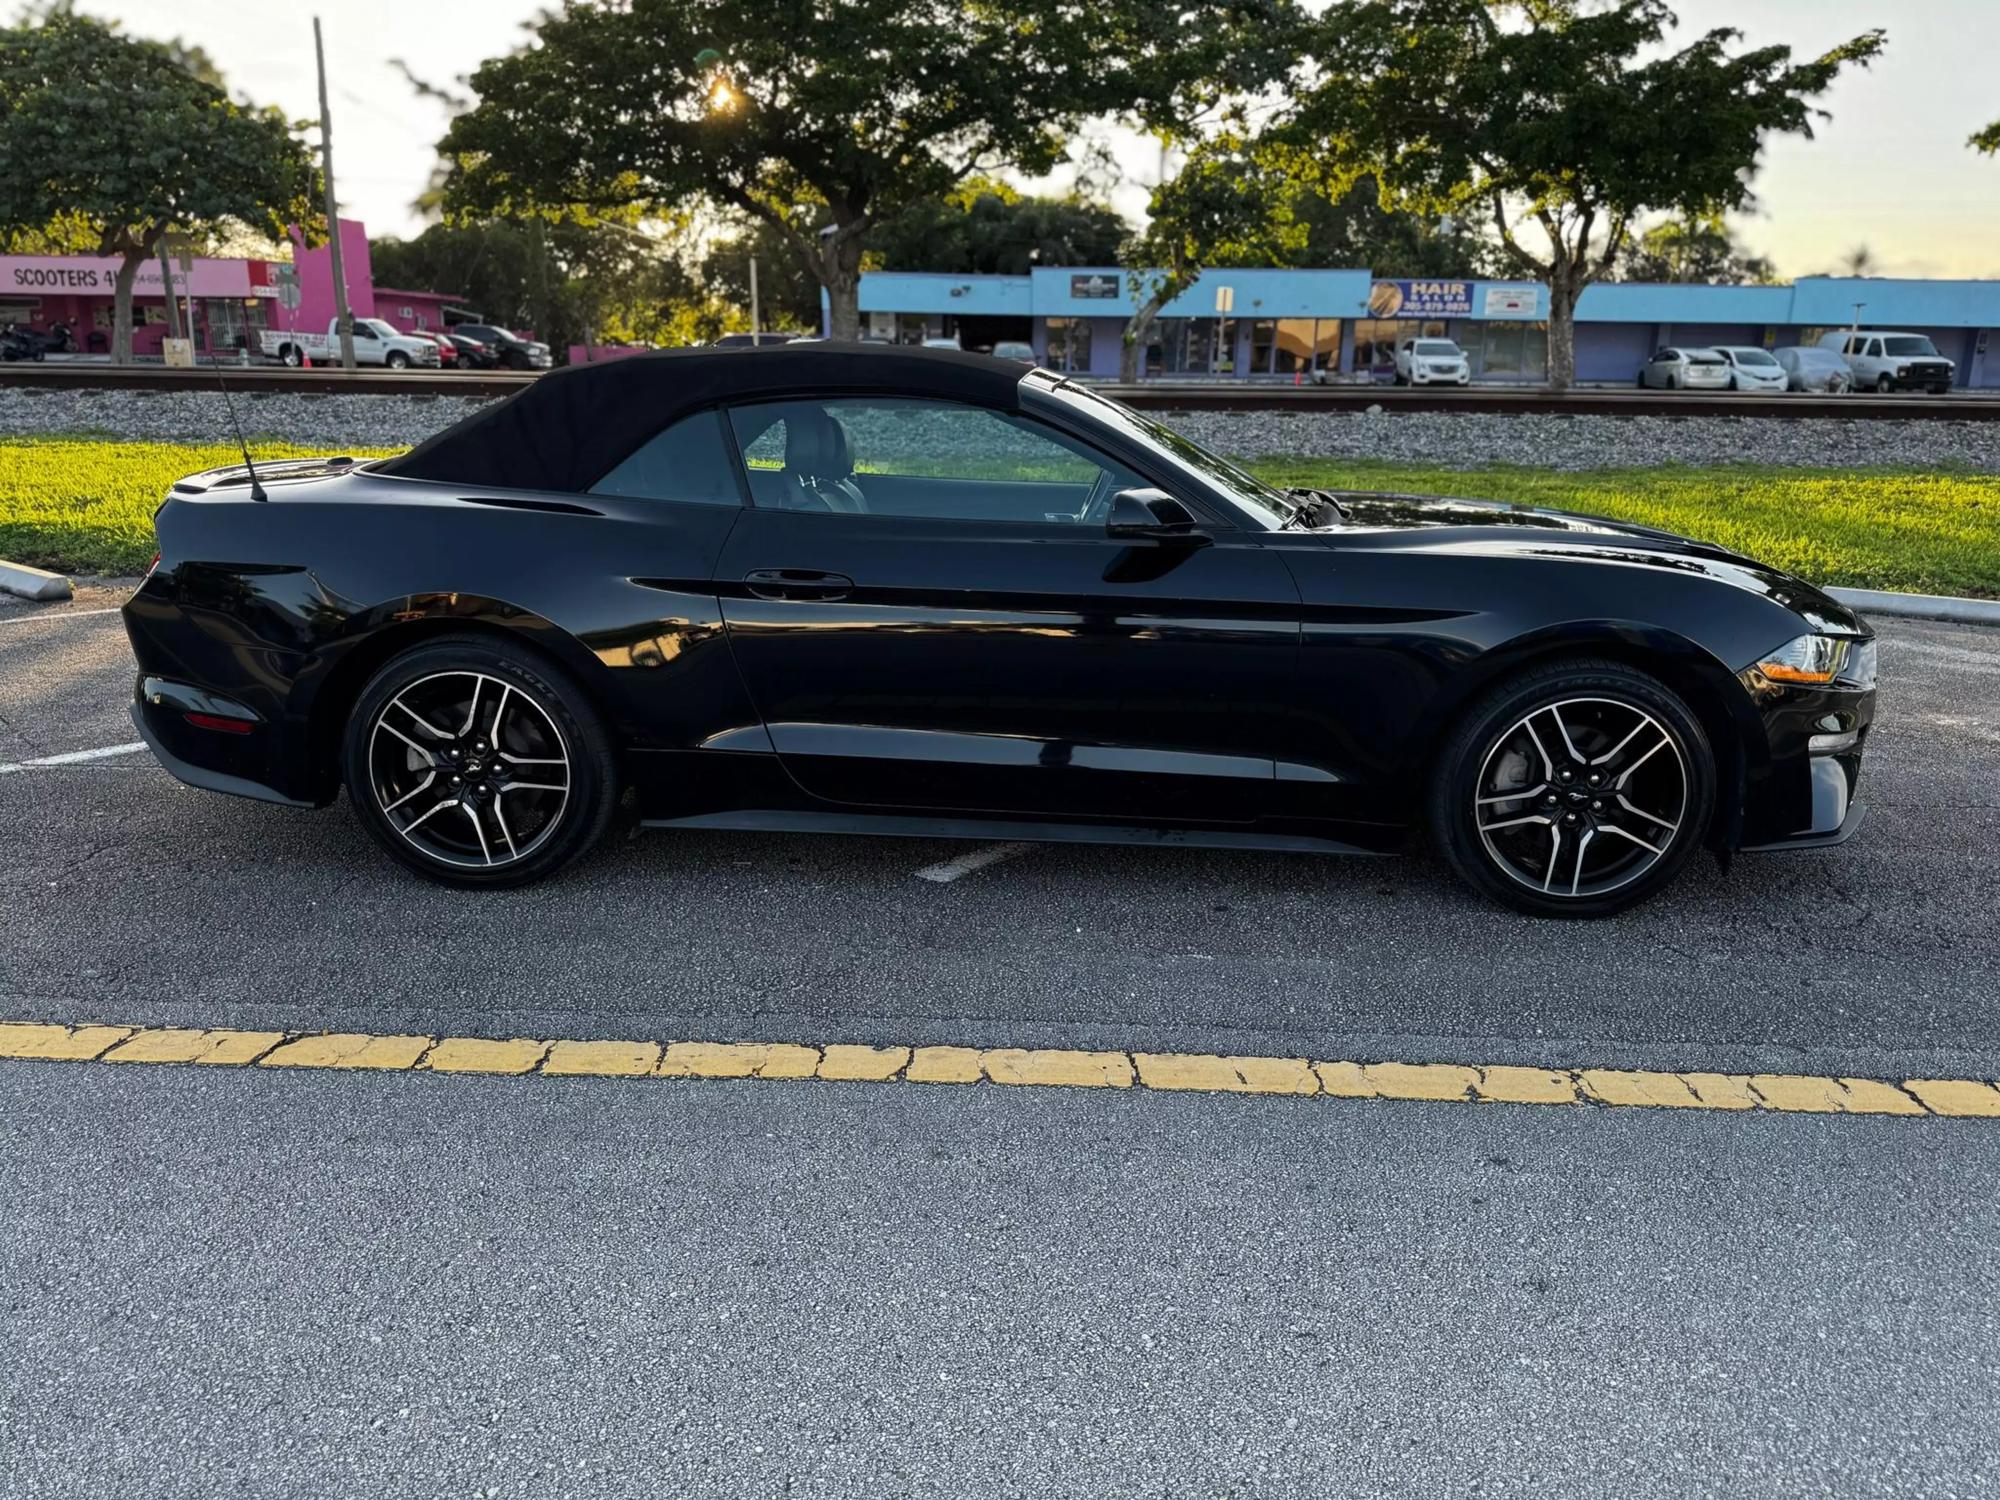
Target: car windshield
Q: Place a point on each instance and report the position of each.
(1266, 502)
(1437, 348)
(1706, 359)
(1755, 357)
(380, 329)
(1909, 345)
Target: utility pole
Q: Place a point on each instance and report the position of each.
(342, 315)
(756, 324)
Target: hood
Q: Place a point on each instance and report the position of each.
(1490, 526)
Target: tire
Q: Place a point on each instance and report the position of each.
(1642, 380)
(397, 360)
(1620, 722)
(1884, 385)
(477, 836)
(289, 355)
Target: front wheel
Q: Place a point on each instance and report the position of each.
(475, 762)
(1574, 789)
(1884, 385)
(397, 360)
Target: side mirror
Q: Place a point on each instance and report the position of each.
(1154, 515)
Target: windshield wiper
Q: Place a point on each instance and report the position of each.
(1313, 503)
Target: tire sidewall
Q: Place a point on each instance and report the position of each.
(1464, 755)
(593, 767)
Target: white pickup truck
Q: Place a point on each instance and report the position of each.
(375, 343)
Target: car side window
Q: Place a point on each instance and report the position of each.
(1875, 348)
(688, 461)
(886, 456)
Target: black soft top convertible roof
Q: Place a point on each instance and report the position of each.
(574, 425)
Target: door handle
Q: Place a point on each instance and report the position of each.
(797, 583)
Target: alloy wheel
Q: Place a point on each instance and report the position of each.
(1581, 797)
(469, 769)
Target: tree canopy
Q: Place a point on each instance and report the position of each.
(1692, 247)
(122, 139)
(821, 121)
(1355, 228)
(1573, 118)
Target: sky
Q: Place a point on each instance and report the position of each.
(1891, 169)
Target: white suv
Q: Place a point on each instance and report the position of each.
(1431, 362)
(1886, 361)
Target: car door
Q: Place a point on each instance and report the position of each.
(930, 612)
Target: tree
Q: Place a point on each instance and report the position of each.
(1860, 261)
(1987, 141)
(988, 229)
(128, 138)
(1233, 202)
(822, 120)
(1354, 228)
(1693, 248)
(567, 278)
(1545, 111)
(787, 290)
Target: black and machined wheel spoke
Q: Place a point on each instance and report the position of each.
(1580, 797)
(484, 793)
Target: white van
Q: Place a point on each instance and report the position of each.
(1886, 361)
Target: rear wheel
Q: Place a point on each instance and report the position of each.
(290, 355)
(476, 763)
(1575, 789)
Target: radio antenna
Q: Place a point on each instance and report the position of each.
(256, 485)
(229, 401)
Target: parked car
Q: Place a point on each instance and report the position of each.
(1685, 370)
(447, 350)
(376, 342)
(941, 343)
(1018, 350)
(473, 355)
(1885, 361)
(1431, 362)
(1808, 367)
(1753, 371)
(750, 340)
(510, 350)
(720, 579)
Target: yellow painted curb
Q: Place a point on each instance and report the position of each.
(1620, 1088)
(63, 1043)
(337, 1049)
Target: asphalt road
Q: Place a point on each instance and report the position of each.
(222, 1282)
(1878, 958)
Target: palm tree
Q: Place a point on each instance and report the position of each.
(1860, 261)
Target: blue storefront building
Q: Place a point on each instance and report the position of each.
(1284, 325)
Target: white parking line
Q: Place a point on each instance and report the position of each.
(65, 614)
(72, 757)
(965, 864)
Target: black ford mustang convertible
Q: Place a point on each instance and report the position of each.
(898, 591)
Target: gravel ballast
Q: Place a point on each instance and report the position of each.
(1447, 439)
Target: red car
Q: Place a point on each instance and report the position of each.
(447, 350)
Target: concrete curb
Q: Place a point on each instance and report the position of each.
(34, 583)
(1921, 606)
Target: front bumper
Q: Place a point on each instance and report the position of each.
(1804, 795)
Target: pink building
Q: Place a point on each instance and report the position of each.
(232, 300)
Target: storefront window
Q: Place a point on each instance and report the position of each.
(1517, 349)
(1294, 346)
(1069, 344)
(1375, 340)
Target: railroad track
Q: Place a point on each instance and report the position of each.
(1158, 395)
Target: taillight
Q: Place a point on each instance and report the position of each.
(218, 723)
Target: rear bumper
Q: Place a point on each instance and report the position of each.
(204, 777)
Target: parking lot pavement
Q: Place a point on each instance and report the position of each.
(292, 1283)
(131, 898)
(236, 1281)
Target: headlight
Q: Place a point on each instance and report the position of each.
(1902, 370)
(1821, 660)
